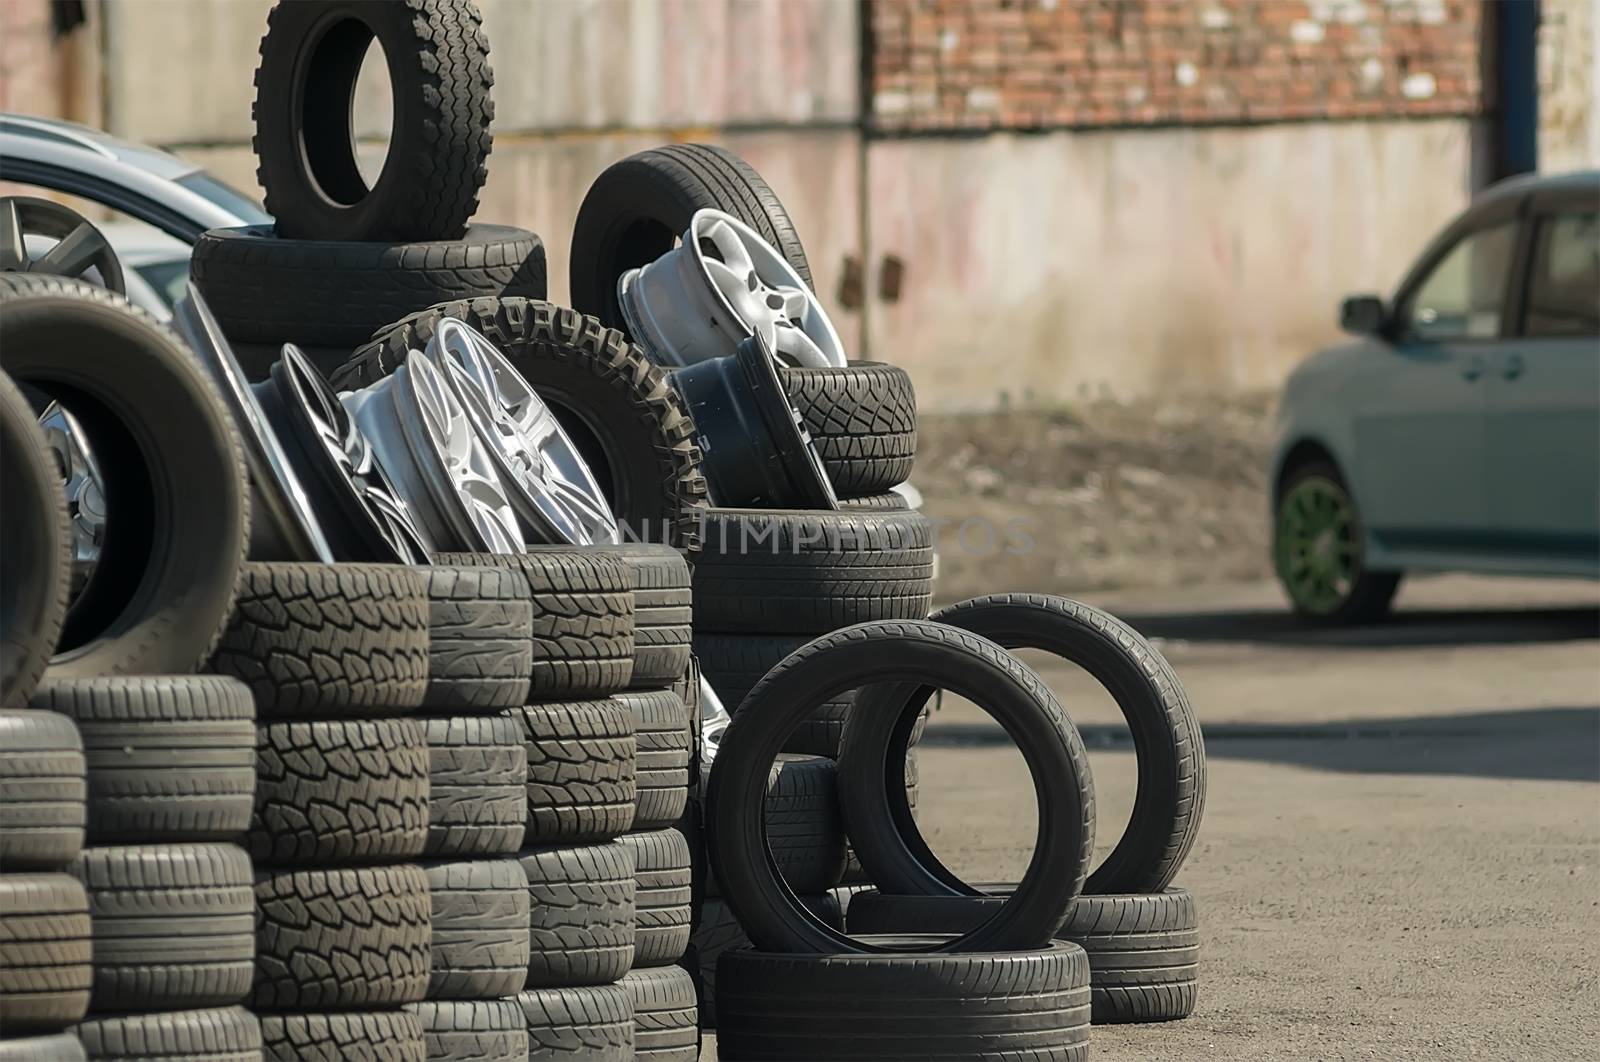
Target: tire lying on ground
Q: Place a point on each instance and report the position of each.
(477, 1030)
(480, 645)
(862, 418)
(982, 1005)
(1144, 950)
(173, 925)
(341, 939)
(719, 931)
(383, 1035)
(42, 790)
(224, 1034)
(924, 653)
(477, 784)
(480, 928)
(661, 730)
(582, 913)
(45, 970)
(439, 140)
(339, 792)
(35, 567)
(662, 896)
(582, 626)
(329, 639)
(639, 207)
(581, 763)
(620, 410)
(589, 1023)
(170, 464)
(170, 758)
(803, 828)
(666, 1025)
(265, 289)
(1166, 740)
(776, 571)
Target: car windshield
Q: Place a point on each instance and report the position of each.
(230, 199)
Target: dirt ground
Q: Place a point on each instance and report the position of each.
(1153, 493)
(1400, 856)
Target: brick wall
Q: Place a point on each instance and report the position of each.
(947, 65)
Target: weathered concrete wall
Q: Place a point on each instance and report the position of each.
(1569, 85)
(1041, 268)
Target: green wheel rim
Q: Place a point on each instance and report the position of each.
(1319, 547)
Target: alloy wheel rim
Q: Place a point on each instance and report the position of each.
(1318, 545)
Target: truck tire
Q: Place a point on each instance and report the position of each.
(438, 60)
(620, 410)
(639, 207)
(267, 289)
(170, 758)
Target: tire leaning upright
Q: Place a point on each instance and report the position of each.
(35, 565)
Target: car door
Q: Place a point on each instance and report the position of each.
(1418, 419)
(1544, 393)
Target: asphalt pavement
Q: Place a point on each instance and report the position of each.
(1400, 857)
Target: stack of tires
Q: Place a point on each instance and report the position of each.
(347, 255)
(337, 657)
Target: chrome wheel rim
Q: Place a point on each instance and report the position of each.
(1318, 545)
(86, 503)
(548, 484)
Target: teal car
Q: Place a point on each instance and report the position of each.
(1461, 429)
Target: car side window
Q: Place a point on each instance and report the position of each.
(1564, 284)
(1463, 296)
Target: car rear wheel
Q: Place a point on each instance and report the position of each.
(1318, 550)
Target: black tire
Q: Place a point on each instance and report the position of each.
(638, 209)
(666, 1026)
(36, 564)
(661, 731)
(1144, 949)
(875, 502)
(169, 758)
(329, 639)
(854, 872)
(622, 413)
(775, 571)
(734, 663)
(341, 939)
(986, 1006)
(478, 785)
(862, 418)
(173, 925)
(225, 1034)
(662, 896)
(480, 649)
(170, 463)
(62, 1047)
(962, 663)
(265, 289)
(1166, 733)
(662, 612)
(582, 914)
(581, 763)
(42, 791)
(477, 1030)
(372, 1036)
(1371, 593)
(45, 968)
(438, 61)
(582, 631)
(803, 829)
(480, 928)
(592, 1023)
(345, 791)
(719, 931)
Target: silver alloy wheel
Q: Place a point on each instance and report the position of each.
(548, 483)
(86, 503)
(422, 438)
(714, 720)
(723, 284)
(283, 525)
